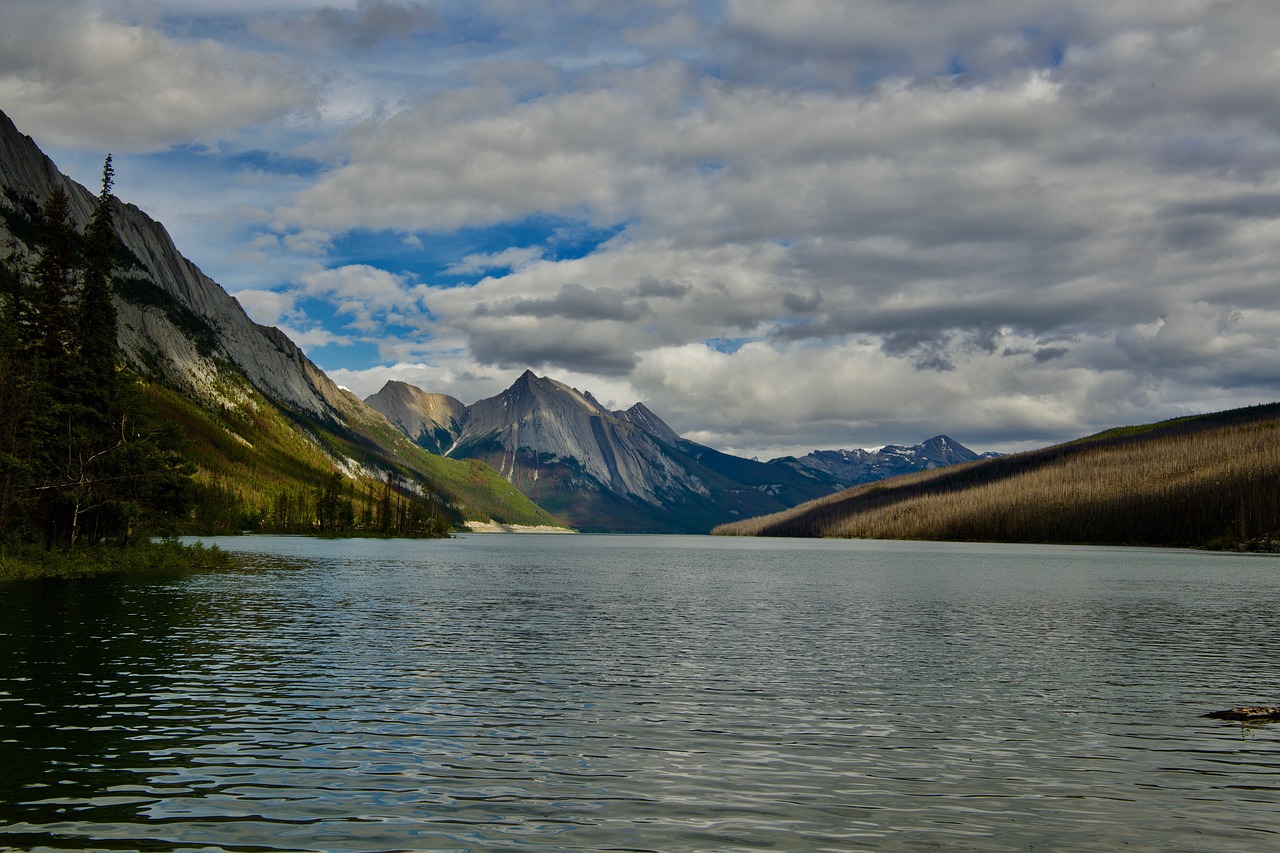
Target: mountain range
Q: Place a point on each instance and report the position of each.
(627, 470)
(267, 427)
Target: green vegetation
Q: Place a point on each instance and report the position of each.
(25, 561)
(95, 458)
(85, 463)
(258, 468)
(1207, 481)
(83, 460)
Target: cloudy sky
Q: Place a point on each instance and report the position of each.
(782, 225)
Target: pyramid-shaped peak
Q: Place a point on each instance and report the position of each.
(643, 417)
(395, 386)
(531, 387)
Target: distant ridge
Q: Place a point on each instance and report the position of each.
(628, 470)
(267, 427)
(852, 467)
(1204, 481)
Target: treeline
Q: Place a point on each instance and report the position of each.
(91, 454)
(342, 506)
(83, 460)
(1208, 481)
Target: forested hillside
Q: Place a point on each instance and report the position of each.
(1211, 480)
(139, 398)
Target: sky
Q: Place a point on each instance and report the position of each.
(782, 226)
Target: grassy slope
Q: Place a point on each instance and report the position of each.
(1206, 480)
(256, 451)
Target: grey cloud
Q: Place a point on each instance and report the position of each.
(1195, 232)
(573, 302)
(1243, 206)
(986, 340)
(652, 287)
(86, 81)
(368, 25)
(1049, 354)
(559, 351)
(797, 304)
(374, 21)
(975, 318)
(926, 350)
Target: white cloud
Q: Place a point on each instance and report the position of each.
(267, 307)
(513, 258)
(76, 79)
(315, 337)
(823, 222)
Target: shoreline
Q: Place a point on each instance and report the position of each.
(492, 526)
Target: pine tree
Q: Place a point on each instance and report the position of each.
(82, 458)
(16, 429)
(97, 321)
(49, 319)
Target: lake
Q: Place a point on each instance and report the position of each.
(646, 693)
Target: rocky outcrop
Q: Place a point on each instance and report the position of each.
(640, 415)
(1252, 714)
(598, 469)
(434, 421)
(176, 323)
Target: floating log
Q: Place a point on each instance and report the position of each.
(1256, 714)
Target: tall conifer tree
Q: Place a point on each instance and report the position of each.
(51, 319)
(97, 321)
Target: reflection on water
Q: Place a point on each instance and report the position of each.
(646, 693)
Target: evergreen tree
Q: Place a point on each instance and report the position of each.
(97, 320)
(48, 320)
(82, 459)
(16, 429)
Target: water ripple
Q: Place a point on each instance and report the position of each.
(646, 693)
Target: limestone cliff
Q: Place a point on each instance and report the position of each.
(597, 469)
(434, 421)
(180, 329)
(175, 321)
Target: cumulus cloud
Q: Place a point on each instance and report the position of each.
(510, 258)
(813, 222)
(77, 79)
(366, 298)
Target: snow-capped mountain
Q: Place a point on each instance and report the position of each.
(852, 467)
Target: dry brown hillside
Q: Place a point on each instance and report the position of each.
(1210, 480)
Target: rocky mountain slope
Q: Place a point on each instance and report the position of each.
(264, 419)
(179, 329)
(562, 448)
(628, 470)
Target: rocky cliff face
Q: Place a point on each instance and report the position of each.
(640, 415)
(433, 421)
(598, 469)
(180, 328)
(628, 470)
(176, 323)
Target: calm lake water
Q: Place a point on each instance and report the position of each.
(646, 693)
